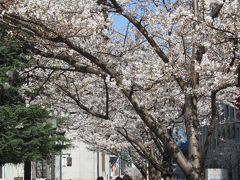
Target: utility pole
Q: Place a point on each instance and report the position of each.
(60, 162)
(119, 165)
(97, 164)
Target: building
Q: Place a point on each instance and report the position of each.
(224, 150)
(85, 165)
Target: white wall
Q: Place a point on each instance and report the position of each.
(84, 165)
(10, 171)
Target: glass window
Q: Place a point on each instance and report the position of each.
(220, 113)
(228, 132)
(214, 144)
(237, 133)
(219, 117)
(223, 134)
(226, 112)
(41, 169)
(233, 132)
(237, 115)
(231, 113)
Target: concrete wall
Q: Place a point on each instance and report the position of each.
(10, 171)
(224, 148)
(84, 165)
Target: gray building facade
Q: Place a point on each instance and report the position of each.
(224, 150)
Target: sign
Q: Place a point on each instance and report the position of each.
(18, 178)
(216, 174)
(69, 161)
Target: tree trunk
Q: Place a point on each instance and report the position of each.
(191, 123)
(151, 172)
(27, 170)
(167, 177)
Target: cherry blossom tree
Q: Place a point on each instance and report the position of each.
(169, 68)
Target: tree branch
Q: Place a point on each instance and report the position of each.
(81, 105)
(68, 59)
(211, 128)
(107, 99)
(142, 29)
(143, 150)
(41, 87)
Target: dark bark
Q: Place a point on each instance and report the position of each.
(27, 170)
(142, 170)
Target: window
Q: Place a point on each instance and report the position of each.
(41, 169)
(214, 145)
(228, 132)
(233, 132)
(221, 113)
(220, 117)
(231, 113)
(237, 133)
(223, 134)
(237, 115)
(226, 112)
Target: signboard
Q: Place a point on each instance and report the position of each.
(18, 178)
(216, 174)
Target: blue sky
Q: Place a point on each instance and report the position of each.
(119, 23)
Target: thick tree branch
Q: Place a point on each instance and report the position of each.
(142, 29)
(213, 120)
(148, 37)
(107, 98)
(56, 68)
(142, 148)
(44, 32)
(168, 142)
(68, 59)
(69, 94)
(42, 86)
(211, 128)
(224, 86)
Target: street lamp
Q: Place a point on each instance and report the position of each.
(62, 133)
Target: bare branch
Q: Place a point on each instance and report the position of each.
(42, 85)
(81, 105)
(143, 150)
(68, 59)
(142, 29)
(107, 99)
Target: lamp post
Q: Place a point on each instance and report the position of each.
(97, 163)
(62, 133)
(60, 162)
